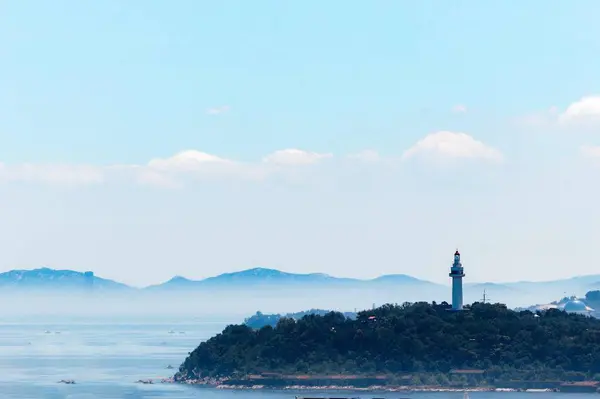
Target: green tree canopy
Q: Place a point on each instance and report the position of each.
(417, 337)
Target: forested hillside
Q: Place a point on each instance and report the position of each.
(418, 337)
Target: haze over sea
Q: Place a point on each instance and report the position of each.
(105, 357)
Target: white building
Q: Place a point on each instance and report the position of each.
(574, 305)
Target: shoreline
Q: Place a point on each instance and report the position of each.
(374, 388)
(349, 388)
(512, 386)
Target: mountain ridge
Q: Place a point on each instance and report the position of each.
(45, 278)
(260, 276)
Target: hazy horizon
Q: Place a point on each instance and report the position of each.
(240, 301)
(447, 282)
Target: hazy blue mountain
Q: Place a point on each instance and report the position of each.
(46, 278)
(546, 291)
(577, 281)
(411, 288)
(399, 279)
(255, 277)
(259, 277)
(491, 287)
(590, 282)
(176, 283)
(528, 292)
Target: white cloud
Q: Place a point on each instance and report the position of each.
(295, 157)
(585, 109)
(459, 108)
(445, 144)
(169, 172)
(366, 156)
(218, 110)
(590, 151)
(188, 160)
(52, 173)
(579, 114)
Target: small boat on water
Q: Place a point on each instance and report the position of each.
(70, 382)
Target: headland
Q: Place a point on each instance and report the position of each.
(411, 346)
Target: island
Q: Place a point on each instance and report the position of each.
(409, 345)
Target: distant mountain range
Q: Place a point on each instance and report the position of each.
(46, 278)
(260, 277)
(256, 278)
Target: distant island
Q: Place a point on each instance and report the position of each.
(412, 344)
(47, 279)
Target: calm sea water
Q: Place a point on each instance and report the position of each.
(105, 359)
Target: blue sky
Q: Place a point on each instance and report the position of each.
(302, 125)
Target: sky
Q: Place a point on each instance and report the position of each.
(143, 140)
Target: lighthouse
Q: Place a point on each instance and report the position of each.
(457, 273)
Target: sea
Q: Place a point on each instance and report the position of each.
(105, 358)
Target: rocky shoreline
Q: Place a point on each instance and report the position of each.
(374, 388)
(225, 383)
(222, 384)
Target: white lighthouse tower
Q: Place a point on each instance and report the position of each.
(457, 273)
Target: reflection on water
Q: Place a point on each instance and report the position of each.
(105, 359)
